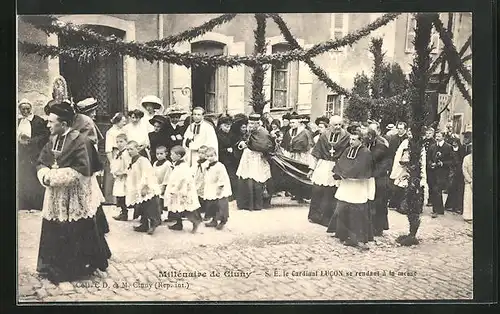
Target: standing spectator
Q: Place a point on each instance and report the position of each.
(238, 134)
(467, 173)
(455, 200)
(174, 129)
(32, 135)
(395, 141)
(118, 168)
(118, 121)
(157, 136)
(84, 120)
(439, 159)
(151, 106)
(428, 142)
(275, 127)
(390, 131)
(285, 122)
(137, 131)
(467, 134)
(322, 124)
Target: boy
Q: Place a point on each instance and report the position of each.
(199, 178)
(180, 194)
(142, 190)
(217, 189)
(118, 168)
(162, 168)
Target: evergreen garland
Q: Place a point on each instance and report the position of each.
(378, 65)
(315, 69)
(107, 46)
(419, 78)
(257, 99)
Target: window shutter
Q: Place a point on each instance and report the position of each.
(268, 76)
(236, 81)
(181, 78)
(305, 86)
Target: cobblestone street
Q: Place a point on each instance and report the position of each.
(258, 257)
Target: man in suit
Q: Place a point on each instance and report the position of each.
(439, 160)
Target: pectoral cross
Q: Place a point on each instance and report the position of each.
(57, 149)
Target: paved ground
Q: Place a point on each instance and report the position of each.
(269, 255)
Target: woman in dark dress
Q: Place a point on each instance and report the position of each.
(454, 202)
(224, 140)
(238, 133)
(32, 135)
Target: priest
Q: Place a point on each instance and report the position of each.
(254, 169)
(330, 145)
(173, 129)
(199, 133)
(355, 171)
(71, 244)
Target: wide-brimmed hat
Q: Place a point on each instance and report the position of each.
(159, 119)
(254, 117)
(151, 100)
(390, 126)
(305, 118)
(322, 119)
(175, 111)
(225, 120)
(87, 105)
(64, 110)
(294, 116)
(286, 116)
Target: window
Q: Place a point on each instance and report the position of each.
(280, 80)
(410, 34)
(457, 123)
(338, 26)
(333, 105)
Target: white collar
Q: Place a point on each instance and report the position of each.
(29, 118)
(440, 143)
(66, 132)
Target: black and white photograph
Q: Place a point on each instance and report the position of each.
(244, 157)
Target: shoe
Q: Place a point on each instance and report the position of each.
(195, 226)
(206, 218)
(141, 228)
(220, 226)
(178, 227)
(211, 224)
(121, 217)
(151, 230)
(434, 215)
(351, 243)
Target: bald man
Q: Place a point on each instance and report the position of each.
(330, 145)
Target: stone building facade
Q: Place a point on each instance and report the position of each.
(120, 83)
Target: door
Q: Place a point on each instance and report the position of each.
(101, 79)
(205, 80)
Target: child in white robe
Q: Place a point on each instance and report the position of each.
(142, 190)
(180, 194)
(162, 168)
(199, 168)
(118, 168)
(217, 191)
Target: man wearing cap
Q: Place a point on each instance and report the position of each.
(151, 106)
(84, 120)
(173, 129)
(298, 141)
(325, 153)
(72, 244)
(157, 137)
(200, 132)
(254, 169)
(32, 134)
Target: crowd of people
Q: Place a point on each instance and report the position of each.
(190, 167)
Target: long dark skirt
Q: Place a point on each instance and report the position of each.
(218, 209)
(30, 191)
(380, 220)
(250, 194)
(101, 220)
(71, 250)
(150, 210)
(233, 178)
(455, 198)
(352, 222)
(322, 204)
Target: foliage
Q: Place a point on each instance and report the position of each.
(358, 104)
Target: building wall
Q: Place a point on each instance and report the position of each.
(342, 66)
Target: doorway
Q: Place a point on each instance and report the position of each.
(205, 81)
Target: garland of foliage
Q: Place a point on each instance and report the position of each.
(419, 79)
(257, 99)
(450, 50)
(378, 63)
(142, 51)
(318, 71)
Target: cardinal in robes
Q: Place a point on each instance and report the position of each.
(200, 132)
(379, 148)
(330, 146)
(254, 169)
(357, 186)
(72, 245)
(174, 130)
(32, 134)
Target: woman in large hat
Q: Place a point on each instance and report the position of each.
(137, 131)
(151, 106)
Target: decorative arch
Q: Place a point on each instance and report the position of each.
(129, 66)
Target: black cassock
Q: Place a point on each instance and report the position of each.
(30, 191)
(72, 242)
(173, 135)
(228, 158)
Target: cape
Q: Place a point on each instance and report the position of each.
(260, 141)
(358, 168)
(322, 148)
(301, 143)
(381, 157)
